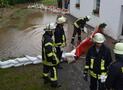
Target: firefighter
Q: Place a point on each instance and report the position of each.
(114, 80)
(60, 37)
(78, 27)
(98, 59)
(100, 28)
(50, 60)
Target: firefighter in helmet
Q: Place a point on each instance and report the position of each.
(60, 37)
(79, 27)
(100, 29)
(114, 80)
(50, 60)
(98, 59)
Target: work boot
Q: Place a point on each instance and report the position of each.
(55, 84)
(46, 80)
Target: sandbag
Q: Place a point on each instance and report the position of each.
(6, 64)
(34, 60)
(39, 57)
(24, 61)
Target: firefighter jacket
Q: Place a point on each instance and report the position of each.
(115, 76)
(80, 23)
(97, 62)
(59, 36)
(48, 50)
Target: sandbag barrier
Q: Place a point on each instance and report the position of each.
(21, 61)
(26, 60)
(53, 9)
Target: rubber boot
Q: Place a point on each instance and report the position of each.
(54, 84)
(46, 80)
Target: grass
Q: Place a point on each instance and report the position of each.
(49, 2)
(22, 78)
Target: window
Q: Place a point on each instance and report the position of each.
(77, 4)
(96, 7)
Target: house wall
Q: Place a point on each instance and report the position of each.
(110, 13)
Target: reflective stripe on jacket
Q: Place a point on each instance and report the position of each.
(80, 23)
(59, 36)
(97, 62)
(48, 50)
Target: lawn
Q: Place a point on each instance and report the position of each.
(49, 2)
(22, 78)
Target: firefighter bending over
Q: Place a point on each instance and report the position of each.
(98, 59)
(79, 27)
(50, 60)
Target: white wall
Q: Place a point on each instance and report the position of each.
(110, 12)
(73, 10)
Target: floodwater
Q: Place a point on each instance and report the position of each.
(18, 40)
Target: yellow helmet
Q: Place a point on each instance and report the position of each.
(118, 48)
(99, 38)
(61, 20)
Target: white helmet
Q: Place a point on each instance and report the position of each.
(50, 27)
(61, 20)
(99, 38)
(88, 17)
(118, 48)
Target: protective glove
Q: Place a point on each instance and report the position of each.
(103, 78)
(85, 76)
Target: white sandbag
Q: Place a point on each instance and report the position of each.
(4, 63)
(39, 57)
(27, 63)
(6, 66)
(18, 63)
(13, 61)
(34, 60)
(37, 62)
(24, 60)
(31, 58)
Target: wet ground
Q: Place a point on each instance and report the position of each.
(21, 35)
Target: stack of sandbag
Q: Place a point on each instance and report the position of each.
(35, 60)
(6, 64)
(22, 61)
